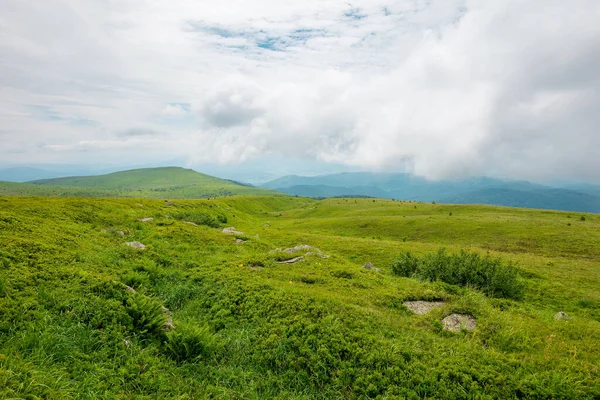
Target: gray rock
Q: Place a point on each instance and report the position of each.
(136, 245)
(292, 260)
(561, 316)
(457, 322)
(369, 266)
(238, 241)
(231, 231)
(420, 307)
(169, 323)
(146, 219)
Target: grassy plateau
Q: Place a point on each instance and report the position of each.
(198, 313)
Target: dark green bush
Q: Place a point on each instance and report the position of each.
(147, 314)
(491, 275)
(201, 218)
(189, 343)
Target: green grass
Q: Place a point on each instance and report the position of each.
(247, 327)
(156, 183)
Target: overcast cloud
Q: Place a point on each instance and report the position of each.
(442, 88)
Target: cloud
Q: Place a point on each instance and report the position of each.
(445, 88)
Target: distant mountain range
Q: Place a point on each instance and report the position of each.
(585, 198)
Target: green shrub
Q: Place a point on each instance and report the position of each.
(491, 275)
(405, 265)
(200, 218)
(147, 314)
(189, 343)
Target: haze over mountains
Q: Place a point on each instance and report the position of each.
(468, 191)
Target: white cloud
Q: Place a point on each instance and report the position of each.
(443, 88)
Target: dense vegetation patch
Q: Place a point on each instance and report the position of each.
(468, 269)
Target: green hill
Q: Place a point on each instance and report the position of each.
(159, 183)
(198, 313)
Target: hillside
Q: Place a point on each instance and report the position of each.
(98, 302)
(469, 191)
(159, 183)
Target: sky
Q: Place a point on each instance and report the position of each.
(439, 88)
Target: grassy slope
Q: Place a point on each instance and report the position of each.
(158, 183)
(322, 328)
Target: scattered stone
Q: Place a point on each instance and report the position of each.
(130, 289)
(190, 223)
(127, 342)
(369, 266)
(120, 233)
(231, 231)
(146, 219)
(169, 324)
(561, 316)
(300, 247)
(139, 205)
(136, 245)
(420, 307)
(267, 225)
(457, 322)
(310, 253)
(239, 241)
(292, 260)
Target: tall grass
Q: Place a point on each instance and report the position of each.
(468, 269)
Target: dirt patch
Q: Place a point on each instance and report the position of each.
(457, 322)
(420, 307)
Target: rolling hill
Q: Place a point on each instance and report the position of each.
(469, 191)
(160, 183)
(99, 301)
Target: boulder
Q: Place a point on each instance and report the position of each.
(231, 231)
(292, 260)
(420, 307)
(561, 316)
(136, 245)
(369, 266)
(457, 322)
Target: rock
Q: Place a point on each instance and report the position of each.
(457, 322)
(120, 233)
(313, 251)
(420, 307)
(231, 231)
(169, 324)
(310, 253)
(136, 245)
(561, 316)
(292, 260)
(130, 289)
(127, 342)
(146, 219)
(189, 223)
(369, 266)
(239, 241)
(299, 248)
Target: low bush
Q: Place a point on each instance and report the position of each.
(189, 343)
(201, 218)
(491, 275)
